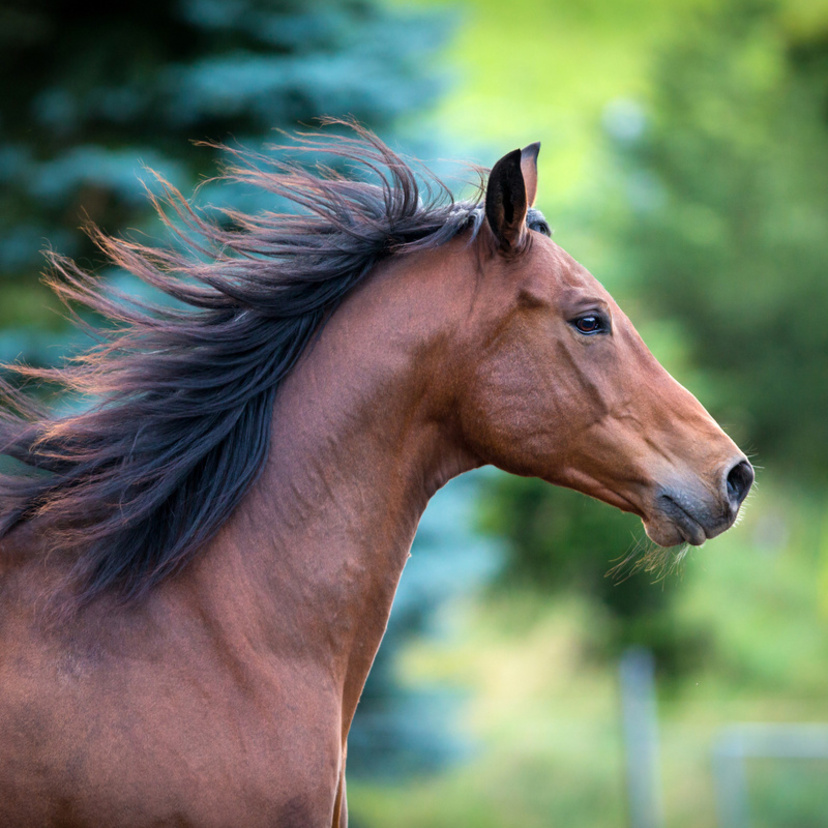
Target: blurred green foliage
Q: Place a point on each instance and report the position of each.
(563, 542)
(787, 792)
(714, 218)
(547, 537)
(728, 193)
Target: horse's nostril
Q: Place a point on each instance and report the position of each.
(739, 481)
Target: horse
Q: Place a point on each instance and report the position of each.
(197, 567)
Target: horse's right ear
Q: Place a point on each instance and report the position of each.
(510, 192)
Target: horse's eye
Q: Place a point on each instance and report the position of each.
(590, 324)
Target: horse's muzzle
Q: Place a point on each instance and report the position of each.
(687, 512)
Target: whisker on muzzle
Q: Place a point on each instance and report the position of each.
(647, 556)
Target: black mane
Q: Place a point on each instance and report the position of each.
(180, 430)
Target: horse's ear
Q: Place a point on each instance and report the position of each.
(529, 169)
(510, 192)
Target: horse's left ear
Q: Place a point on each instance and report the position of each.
(510, 192)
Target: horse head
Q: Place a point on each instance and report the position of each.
(559, 384)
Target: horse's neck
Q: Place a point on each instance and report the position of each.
(356, 453)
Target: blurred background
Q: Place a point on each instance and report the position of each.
(685, 162)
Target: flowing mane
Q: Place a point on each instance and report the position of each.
(137, 483)
(226, 696)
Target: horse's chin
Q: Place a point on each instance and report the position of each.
(669, 532)
(678, 517)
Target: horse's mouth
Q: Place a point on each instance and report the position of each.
(688, 527)
(681, 518)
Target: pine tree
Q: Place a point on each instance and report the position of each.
(92, 95)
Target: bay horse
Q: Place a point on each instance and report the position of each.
(196, 570)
